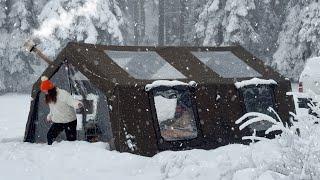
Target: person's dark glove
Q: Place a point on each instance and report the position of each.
(80, 108)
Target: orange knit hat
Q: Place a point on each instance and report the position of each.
(46, 84)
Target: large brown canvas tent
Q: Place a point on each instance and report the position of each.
(149, 99)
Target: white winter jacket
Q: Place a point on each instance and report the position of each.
(63, 111)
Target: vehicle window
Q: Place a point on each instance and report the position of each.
(226, 64)
(175, 115)
(259, 99)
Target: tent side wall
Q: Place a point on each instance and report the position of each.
(136, 132)
(220, 105)
(29, 135)
(218, 108)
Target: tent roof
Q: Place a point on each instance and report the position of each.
(141, 65)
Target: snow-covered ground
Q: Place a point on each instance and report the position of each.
(82, 160)
(14, 109)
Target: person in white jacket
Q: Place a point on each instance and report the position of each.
(62, 111)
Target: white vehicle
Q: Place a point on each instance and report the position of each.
(302, 101)
(309, 80)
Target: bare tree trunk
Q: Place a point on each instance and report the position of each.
(182, 21)
(161, 23)
(142, 21)
(136, 22)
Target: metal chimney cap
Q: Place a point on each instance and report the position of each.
(29, 45)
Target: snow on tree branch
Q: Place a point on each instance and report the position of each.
(298, 144)
(299, 38)
(254, 117)
(89, 21)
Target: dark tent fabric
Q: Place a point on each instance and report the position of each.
(112, 81)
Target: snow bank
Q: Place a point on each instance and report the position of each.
(82, 160)
(254, 81)
(14, 111)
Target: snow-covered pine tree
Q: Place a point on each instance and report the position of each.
(209, 27)
(193, 10)
(90, 21)
(226, 22)
(3, 15)
(3, 35)
(140, 21)
(251, 23)
(299, 38)
(237, 26)
(15, 64)
(18, 18)
(267, 19)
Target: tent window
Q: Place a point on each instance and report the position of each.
(226, 64)
(144, 65)
(175, 114)
(259, 99)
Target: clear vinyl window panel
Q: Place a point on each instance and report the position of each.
(175, 115)
(226, 64)
(259, 99)
(144, 65)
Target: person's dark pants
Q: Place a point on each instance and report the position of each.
(56, 128)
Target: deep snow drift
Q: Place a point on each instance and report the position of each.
(14, 111)
(82, 160)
